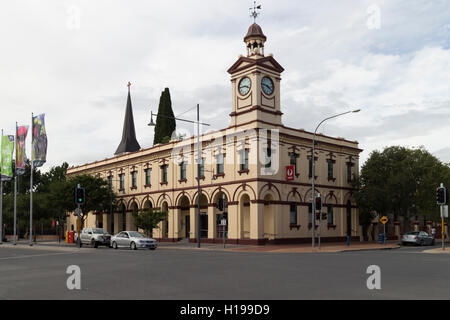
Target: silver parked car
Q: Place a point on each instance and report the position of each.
(420, 238)
(95, 237)
(133, 240)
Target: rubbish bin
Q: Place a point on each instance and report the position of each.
(381, 238)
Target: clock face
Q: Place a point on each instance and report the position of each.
(267, 85)
(244, 86)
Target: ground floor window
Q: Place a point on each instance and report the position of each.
(293, 215)
(309, 213)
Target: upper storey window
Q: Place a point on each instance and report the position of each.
(220, 163)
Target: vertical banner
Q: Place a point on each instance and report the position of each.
(21, 157)
(39, 155)
(7, 157)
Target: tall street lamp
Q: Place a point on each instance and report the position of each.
(313, 191)
(152, 124)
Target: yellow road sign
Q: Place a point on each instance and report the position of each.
(384, 220)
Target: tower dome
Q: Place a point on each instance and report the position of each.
(254, 41)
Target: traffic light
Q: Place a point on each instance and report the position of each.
(318, 203)
(80, 196)
(441, 196)
(318, 215)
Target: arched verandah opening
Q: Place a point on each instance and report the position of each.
(184, 218)
(203, 215)
(244, 209)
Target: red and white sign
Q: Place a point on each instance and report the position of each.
(290, 173)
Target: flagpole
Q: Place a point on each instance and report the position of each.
(15, 191)
(31, 184)
(1, 205)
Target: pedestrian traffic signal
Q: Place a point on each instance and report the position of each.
(80, 196)
(318, 215)
(441, 196)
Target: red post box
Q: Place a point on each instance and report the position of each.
(71, 233)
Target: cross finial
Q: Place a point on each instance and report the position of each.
(255, 13)
(129, 86)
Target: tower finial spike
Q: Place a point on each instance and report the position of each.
(255, 13)
(129, 86)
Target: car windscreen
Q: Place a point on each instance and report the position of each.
(414, 233)
(98, 231)
(135, 235)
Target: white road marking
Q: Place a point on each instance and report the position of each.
(38, 255)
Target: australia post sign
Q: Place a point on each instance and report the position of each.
(290, 174)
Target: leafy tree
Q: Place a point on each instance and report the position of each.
(402, 182)
(53, 197)
(99, 197)
(147, 219)
(164, 126)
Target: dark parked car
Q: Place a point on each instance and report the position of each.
(419, 238)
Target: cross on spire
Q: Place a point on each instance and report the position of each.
(255, 13)
(129, 86)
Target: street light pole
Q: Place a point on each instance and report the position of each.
(198, 123)
(198, 176)
(313, 211)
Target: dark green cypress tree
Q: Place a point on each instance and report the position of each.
(164, 126)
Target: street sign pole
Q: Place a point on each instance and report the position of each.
(224, 227)
(384, 220)
(442, 228)
(320, 225)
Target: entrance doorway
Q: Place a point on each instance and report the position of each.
(187, 226)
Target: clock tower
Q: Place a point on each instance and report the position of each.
(256, 83)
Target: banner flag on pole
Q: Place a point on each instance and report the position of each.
(21, 157)
(7, 150)
(39, 155)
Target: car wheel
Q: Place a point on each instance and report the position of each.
(133, 246)
(114, 245)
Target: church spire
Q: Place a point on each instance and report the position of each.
(129, 142)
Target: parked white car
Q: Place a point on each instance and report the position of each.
(133, 240)
(94, 237)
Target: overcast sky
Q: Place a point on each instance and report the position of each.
(72, 60)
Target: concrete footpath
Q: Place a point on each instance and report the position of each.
(439, 250)
(294, 248)
(325, 247)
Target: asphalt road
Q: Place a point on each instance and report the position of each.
(406, 273)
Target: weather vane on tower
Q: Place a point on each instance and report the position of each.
(255, 13)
